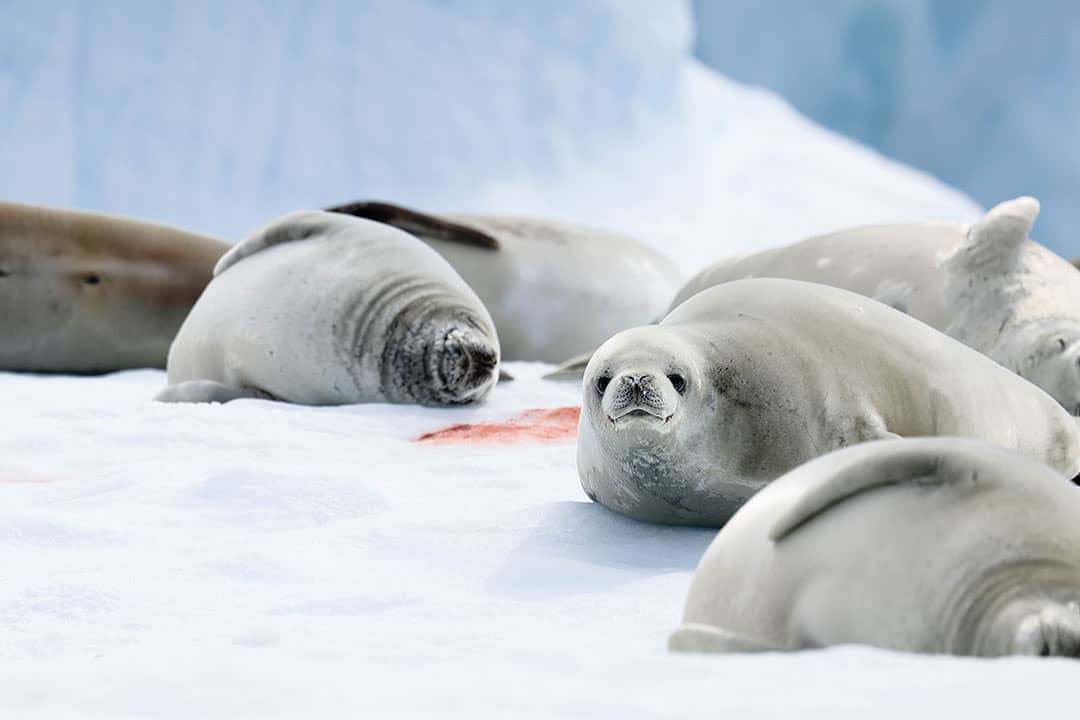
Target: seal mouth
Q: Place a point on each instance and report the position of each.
(641, 413)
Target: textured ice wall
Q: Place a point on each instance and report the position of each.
(985, 94)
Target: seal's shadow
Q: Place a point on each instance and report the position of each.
(581, 547)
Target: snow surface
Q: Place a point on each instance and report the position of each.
(982, 94)
(262, 560)
(220, 116)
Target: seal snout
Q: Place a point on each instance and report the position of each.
(637, 395)
(467, 364)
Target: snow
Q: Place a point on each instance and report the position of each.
(263, 560)
(981, 94)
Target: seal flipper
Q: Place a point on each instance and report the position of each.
(295, 226)
(572, 369)
(902, 463)
(208, 391)
(997, 236)
(699, 638)
(505, 376)
(420, 224)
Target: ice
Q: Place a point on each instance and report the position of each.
(981, 94)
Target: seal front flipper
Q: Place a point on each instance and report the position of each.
(572, 369)
(997, 236)
(208, 391)
(699, 638)
(899, 463)
(422, 225)
(294, 227)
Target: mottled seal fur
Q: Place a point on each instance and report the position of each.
(683, 421)
(554, 289)
(986, 284)
(320, 308)
(87, 293)
(928, 545)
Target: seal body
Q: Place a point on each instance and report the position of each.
(929, 545)
(987, 285)
(683, 421)
(553, 289)
(323, 309)
(88, 293)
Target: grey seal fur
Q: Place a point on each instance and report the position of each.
(683, 421)
(319, 308)
(554, 289)
(927, 545)
(83, 292)
(986, 284)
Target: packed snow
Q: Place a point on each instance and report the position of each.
(261, 560)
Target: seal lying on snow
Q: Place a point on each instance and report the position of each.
(987, 285)
(88, 293)
(325, 309)
(554, 289)
(683, 421)
(931, 545)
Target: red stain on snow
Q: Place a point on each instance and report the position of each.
(538, 425)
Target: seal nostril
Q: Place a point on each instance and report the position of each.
(678, 382)
(602, 382)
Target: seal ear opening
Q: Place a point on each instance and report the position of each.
(420, 224)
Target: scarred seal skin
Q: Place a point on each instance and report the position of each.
(927, 545)
(82, 292)
(683, 421)
(318, 308)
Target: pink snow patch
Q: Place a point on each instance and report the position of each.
(536, 425)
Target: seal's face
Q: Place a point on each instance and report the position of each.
(442, 356)
(646, 438)
(462, 362)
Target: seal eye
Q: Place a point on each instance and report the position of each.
(92, 279)
(678, 382)
(602, 383)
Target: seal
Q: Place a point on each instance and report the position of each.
(988, 285)
(555, 290)
(683, 421)
(318, 308)
(928, 545)
(82, 292)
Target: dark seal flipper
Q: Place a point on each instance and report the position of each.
(422, 225)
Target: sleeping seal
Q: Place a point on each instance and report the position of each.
(987, 285)
(88, 293)
(554, 290)
(683, 421)
(929, 545)
(325, 309)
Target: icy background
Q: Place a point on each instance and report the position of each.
(219, 116)
(263, 560)
(984, 94)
